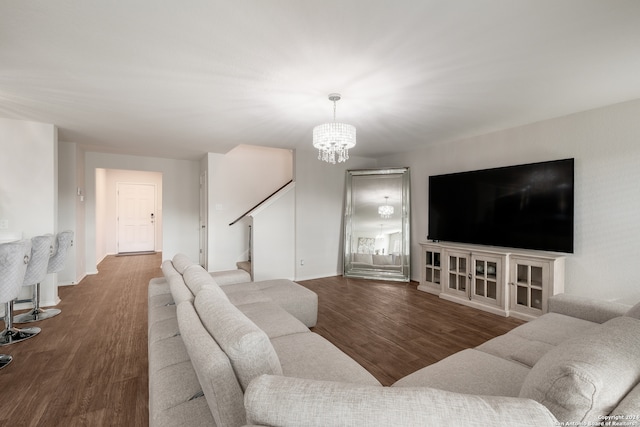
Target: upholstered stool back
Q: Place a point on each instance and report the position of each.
(57, 260)
(41, 249)
(14, 258)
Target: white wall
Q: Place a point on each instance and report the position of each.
(28, 185)
(319, 213)
(70, 212)
(238, 180)
(273, 231)
(606, 146)
(179, 195)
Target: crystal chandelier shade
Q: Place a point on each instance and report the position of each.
(385, 211)
(333, 140)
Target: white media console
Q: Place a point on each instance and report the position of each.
(504, 281)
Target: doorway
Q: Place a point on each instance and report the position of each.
(136, 216)
(108, 239)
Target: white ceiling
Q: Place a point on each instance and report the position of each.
(181, 78)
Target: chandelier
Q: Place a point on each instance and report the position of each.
(385, 211)
(333, 140)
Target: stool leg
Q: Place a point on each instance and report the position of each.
(36, 313)
(10, 334)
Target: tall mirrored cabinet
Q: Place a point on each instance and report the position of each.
(377, 224)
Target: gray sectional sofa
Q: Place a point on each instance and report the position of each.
(225, 351)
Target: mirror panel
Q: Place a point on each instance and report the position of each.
(377, 222)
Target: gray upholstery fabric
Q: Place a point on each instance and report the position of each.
(634, 311)
(457, 373)
(586, 308)
(179, 290)
(308, 355)
(527, 343)
(630, 405)
(247, 347)
(230, 276)
(296, 299)
(586, 377)
(282, 401)
(14, 257)
(41, 251)
(163, 329)
(272, 319)
(195, 277)
(193, 413)
(63, 242)
(167, 352)
(180, 379)
(181, 262)
(159, 314)
(213, 368)
(158, 286)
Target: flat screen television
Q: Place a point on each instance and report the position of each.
(525, 206)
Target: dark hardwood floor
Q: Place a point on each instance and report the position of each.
(88, 366)
(393, 329)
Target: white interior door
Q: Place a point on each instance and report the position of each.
(136, 217)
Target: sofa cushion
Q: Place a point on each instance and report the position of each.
(181, 262)
(172, 386)
(213, 368)
(299, 301)
(179, 290)
(228, 277)
(247, 346)
(590, 309)
(586, 377)
(195, 277)
(272, 319)
(472, 372)
(629, 406)
(527, 343)
(194, 412)
(283, 401)
(634, 311)
(308, 355)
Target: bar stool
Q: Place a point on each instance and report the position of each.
(64, 240)
(14, 257)
(41, 250)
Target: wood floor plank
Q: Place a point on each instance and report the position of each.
(393, 329)
(88, 366)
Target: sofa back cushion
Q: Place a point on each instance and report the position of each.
(586, 377)
(195, 277)
(247, 346)
(213, 368)
(179, 289)
(181, 262)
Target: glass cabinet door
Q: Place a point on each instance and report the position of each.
(458, 270)
(432, 267)
(527, 279)
(487, 272)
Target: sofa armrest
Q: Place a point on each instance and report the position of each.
(283, 401)
(593, 310)
(230, 277)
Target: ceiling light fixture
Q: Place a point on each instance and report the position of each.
(333, 140)
(385, 210)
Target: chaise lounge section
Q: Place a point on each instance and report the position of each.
(242, 354)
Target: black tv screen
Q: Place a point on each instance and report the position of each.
(525, 206)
